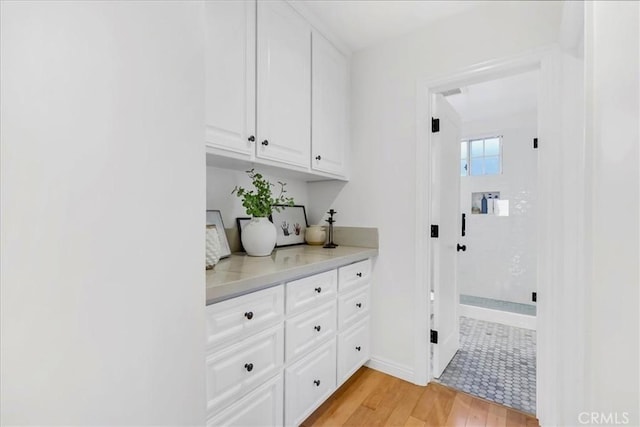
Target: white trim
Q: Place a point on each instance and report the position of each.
(498, 316)
(404, 372)
(548, 61)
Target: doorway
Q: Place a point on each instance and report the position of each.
(494, 281)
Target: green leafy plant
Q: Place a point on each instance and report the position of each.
(260, 202)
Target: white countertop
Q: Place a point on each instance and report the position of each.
(241, 274)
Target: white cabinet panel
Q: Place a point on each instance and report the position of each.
(230, 75)
(284, 85)
(353, 349)
(309, 382)
(353, 306)
(239, 317)
(306, 330)
(309, 291)
(262, 407)
(330, 111)
(237, 369)
(353, 275)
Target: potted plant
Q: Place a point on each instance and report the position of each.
(259, 235)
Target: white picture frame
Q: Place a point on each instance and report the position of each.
(214, 217)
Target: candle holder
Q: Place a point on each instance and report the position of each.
(330, 244)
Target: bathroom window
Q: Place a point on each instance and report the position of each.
(481, 156)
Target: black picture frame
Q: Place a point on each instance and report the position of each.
(291, 224)
(214, 217)
(240, 223)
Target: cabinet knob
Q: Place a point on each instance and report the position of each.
(359, 305)
(248, 367)
(317, 328)
(318, 289)
(251, 138)
(358, 348)
(317, 383)
(318, 157)
(265, 142)
(249, 315)
(359, 274)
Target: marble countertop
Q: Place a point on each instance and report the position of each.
(241, 274)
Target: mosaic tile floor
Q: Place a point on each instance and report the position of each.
(496, 362)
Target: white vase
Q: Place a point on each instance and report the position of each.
(259, 237)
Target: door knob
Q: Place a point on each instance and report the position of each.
(251, 138)
(461, 247)
(265, 142)
(318, 157)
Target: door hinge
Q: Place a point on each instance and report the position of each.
(535, 143)
(435, 231)
(534, 296)
(435, 125)
(434, 337)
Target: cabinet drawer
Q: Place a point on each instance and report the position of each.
(309, 291)
(353, 307)
(353, 349)
(309, 382)
(239, 317)
(351, 276)
(309, 329)
(237, 369)
(261, 407)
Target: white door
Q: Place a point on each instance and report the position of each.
(329, 109)
(445, 208)
(230, 76)
(284, 85)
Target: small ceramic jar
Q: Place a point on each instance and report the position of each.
(213, 247)
(315, 235)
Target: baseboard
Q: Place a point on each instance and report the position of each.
(498, 316)
(397, 370)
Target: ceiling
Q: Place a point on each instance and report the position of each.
(497, 98)
(362, 23)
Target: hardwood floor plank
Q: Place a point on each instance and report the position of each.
(371, 398)
(497, 416)
(478, 414)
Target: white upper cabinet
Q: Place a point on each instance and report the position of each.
(284, 85)
(230, 77)
(330, 105)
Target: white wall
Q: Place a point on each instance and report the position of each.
(102, 184)
(221, 182)
(381, 192)
(500, 261)
(612, 50)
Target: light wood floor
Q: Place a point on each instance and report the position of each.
(371, 398)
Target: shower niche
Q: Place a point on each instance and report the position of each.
(489, 203)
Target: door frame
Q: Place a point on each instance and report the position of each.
(548, 61)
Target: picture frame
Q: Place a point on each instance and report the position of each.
(214, 217)
(291, 224)
(240, 223)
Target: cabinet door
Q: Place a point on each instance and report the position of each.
(309, 382)
(353, 350)
(230, 76)
(306, 330)
(330, 115)
(284, 85)
(262, 407)
(305, 293)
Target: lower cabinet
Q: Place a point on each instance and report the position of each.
(275, 355)
(309, 382)
(262, 407)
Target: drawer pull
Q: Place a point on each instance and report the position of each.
(359, 305)
(317, 383)
(358, 348)
(318, 289)
(248, 367)
(359, 274)
(249, 315)
(317, 328)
